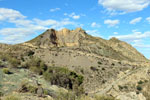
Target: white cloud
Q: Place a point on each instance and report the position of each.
(94, 33)
(124, 6)
(54, 9)
(141, 45)
(76, 17)
(54, 23)
(21, 22)
(111, 23)
(148, 19)
(115, 33)
(73, 15)
(94, 24)
(136, 20)
(10, 14)
(45, 22)
(134, 36)
(24, 27)
(11, 31)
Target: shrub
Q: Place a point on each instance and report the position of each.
(93, 68)
(139, 88)
(140, 82)
(56, 75)
(103, 68)
(1, 94)
(26, 87)
(120, 87)
(113, 64)
(145, 81)
(10, 59)
(30, 53)
(65, 78)
(6, 71)
(99, 62)
(0, 63)
(126, 87)
(36, 65)
(46, 92)
(14, 62)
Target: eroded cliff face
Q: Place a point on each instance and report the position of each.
(54, 38)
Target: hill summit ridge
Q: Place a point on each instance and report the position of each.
(64, 37)
(78, 39)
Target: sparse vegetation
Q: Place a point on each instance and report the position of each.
(93, 68)
(26, 87)
(30, 53)
(113, 64)
(36, 65)
(103, 68)
(140, 82)
(12, 97)
(1, 94)
(71, 96)
(56, 75)
(7, 71)
(99, 62)
(122, 87)
(104, 98)
(14, 62)
(145, 90)
(64, 78)
(139, 88)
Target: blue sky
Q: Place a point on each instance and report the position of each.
(128, 20)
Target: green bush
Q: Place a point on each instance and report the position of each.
(14, 62)
(56, 75)
(139, 88)
(120, 87)
(0, 62)
(46, 92)
(30, 53)
(26, 87)
(140, 82)
(99, 62)
(36, 65)
(6, 71)
(113, 64)
(65, 78)
(1, 94)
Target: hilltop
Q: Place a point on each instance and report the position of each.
(80, 40)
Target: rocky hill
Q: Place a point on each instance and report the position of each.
(76, 61)
(79, 39)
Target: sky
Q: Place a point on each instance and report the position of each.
(127, 20)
